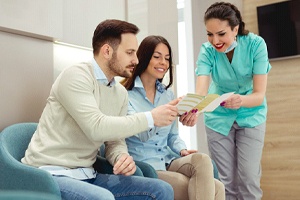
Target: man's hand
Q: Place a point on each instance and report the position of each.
(164, 115)
(125, 165)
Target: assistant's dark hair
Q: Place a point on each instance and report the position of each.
(226, 11)
(144, 54)
(110, 31)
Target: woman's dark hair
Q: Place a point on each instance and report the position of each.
(226, 11)
(110, 31)
(144, 54)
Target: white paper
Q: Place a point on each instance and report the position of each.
(190, 102)
(215, 103)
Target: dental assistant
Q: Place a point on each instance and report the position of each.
(234, 60)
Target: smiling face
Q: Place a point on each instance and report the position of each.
(220, 34)
(159, 62)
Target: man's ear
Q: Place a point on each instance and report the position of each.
(106, 51)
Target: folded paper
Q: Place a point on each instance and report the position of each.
(203, 103)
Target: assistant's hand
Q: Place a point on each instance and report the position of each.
(185, 152)
(189, 118)
(164, 115)
(233, 102)
(125, 165)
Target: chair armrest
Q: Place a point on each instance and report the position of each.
(216, 171)
(102, 166)
(147, 170)
(18, 176)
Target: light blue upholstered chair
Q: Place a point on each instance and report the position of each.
(26, 195)
(16, 176)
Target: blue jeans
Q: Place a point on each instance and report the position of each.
(109, 187)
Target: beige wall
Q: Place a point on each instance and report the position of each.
(281, 155)
(26, 75)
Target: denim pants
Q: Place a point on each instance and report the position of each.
(109, 187)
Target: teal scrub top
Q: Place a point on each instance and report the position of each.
(250, 58)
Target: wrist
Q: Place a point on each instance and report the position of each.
(181, 152)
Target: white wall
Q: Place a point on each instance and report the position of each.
(156, 17)
(80, 18)
(39, 19)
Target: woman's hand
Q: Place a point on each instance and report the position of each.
(189, 118)
(185, 152)
(256, 98)
(233, 102)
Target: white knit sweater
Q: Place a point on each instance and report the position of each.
(79, 116)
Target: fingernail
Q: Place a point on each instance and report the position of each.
(222, 104)
(185, 113)
(196, 110)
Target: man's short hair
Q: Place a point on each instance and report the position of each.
(110, 31)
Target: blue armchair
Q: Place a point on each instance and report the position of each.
(26, 195)
(16, 176)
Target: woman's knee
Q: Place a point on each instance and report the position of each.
(201, 160)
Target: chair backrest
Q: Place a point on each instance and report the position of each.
(15, 139)
(16, 176)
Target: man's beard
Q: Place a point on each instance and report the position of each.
(117, 69)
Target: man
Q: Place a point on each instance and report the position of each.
(86, 107)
